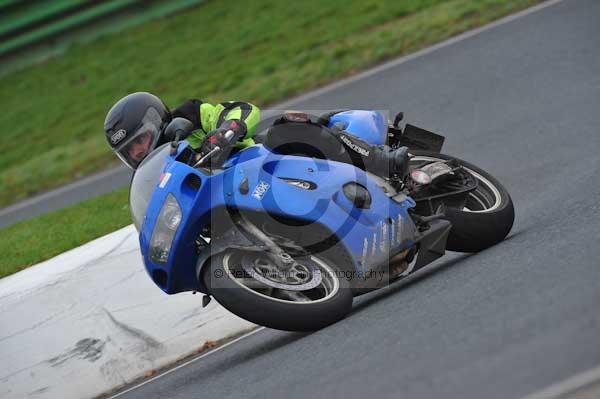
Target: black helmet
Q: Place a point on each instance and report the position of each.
(134, 125)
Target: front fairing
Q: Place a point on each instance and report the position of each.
(257, 180)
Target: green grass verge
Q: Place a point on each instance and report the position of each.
(240, 49)
(269, 51)
(32, 241)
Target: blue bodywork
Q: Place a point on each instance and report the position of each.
(367, 235)
(370, 126)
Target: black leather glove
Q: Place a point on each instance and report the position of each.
(214, 139)
(237, 126)
(217, 138)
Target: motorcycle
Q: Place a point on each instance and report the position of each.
(286, 239)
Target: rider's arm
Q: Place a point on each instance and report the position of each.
(207, 117)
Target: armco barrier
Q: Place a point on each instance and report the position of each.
(31, 31)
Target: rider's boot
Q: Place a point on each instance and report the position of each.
(377, 159)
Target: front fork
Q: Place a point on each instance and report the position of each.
(280, 257)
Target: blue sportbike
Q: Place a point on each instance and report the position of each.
(285, 238)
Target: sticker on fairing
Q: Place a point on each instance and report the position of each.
(164, 179)
(260, 190)
(355, 147)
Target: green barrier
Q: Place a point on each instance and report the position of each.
(35, 12)
(53, 28)
(57, 33)
(6, 4)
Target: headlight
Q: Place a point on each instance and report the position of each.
(164, 230)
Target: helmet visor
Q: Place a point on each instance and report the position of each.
(142, 142)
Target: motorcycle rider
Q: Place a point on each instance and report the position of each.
(139, 123)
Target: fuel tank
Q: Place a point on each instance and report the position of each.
(370, 126)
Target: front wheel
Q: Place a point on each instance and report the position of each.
(310, 296)
(486, 216)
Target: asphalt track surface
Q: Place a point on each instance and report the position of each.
(520, 100)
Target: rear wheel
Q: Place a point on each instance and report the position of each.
(485, 216)
(309, 296)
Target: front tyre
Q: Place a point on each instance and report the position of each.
(487, 215)
(262, 298)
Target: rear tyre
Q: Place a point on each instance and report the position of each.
(260, 303)
(488, 215)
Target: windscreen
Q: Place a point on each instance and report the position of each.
(144, 182)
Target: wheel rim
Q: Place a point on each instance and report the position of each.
(327, 287)
(485, 198)
(299, 277)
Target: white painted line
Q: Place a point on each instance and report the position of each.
(398, 61)
(188, 362)
(567, 386)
